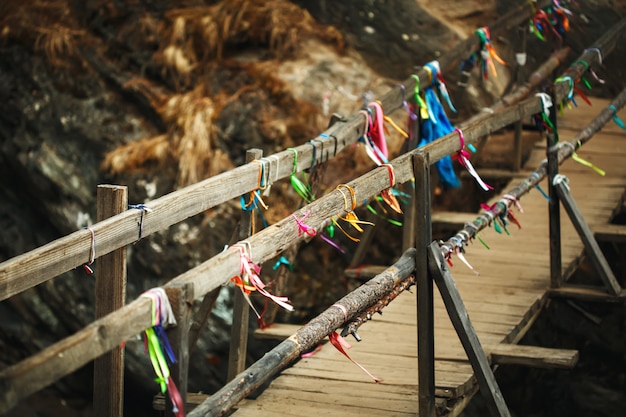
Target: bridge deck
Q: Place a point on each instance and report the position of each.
(502, 302)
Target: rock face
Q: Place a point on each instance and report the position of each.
(156, 97)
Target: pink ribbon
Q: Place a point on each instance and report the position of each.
(378, 133)
(303, 227)
(340, 344)
(463, 157)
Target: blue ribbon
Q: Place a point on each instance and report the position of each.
(431, 130)
(616, 118)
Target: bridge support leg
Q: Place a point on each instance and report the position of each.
(425, 319)
(465, 330)
(591, 245)
(554, 206)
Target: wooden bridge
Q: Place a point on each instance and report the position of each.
(452, 352)
(502, 302)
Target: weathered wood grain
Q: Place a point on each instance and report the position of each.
(108, 387)
(533, 356)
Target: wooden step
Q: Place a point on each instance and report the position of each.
(610, 233)
(451, 219)
(511, 354)
(586, 293)
(533, 356)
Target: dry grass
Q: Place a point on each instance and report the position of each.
(199, 34)
(48, 27)
(190, 141)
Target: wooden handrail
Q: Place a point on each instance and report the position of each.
(46, 262)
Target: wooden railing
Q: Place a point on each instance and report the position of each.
(25, 271)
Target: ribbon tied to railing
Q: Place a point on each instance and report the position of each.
(158, 346)
(619, 122)
(350, 216)
(249, 280)
(463, 157)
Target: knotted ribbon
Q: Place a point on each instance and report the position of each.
(159, 348)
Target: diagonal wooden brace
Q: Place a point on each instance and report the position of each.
(591, 245)
(465, 330)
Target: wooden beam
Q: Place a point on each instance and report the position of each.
(615, 233)
(532, 356)
(465, 330)
(591, 246)
(452, 219)
(21, 380)
(586, 293)
(108, 379)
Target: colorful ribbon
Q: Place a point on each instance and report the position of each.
(341, 345)
(487, 52)
(387, 194)
(159, 348)
(303, 227)
(463, 157)
(248, 279)
(434, 128)
(616, 118)
(303, 190)
(437, 80)
(350, 216)
(582, 161)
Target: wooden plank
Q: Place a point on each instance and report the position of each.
(108, 379)
(452, 219)
(586, 293)
(463, 326)
(593, 250)
(610, 233)
(533, 356)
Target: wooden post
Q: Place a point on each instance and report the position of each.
(521, 62)
(241, 310)
(553, 205)
(108, 385)
(465, 330)
(409, 228)
(425, 308)
(591, 245)
(180, 297)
